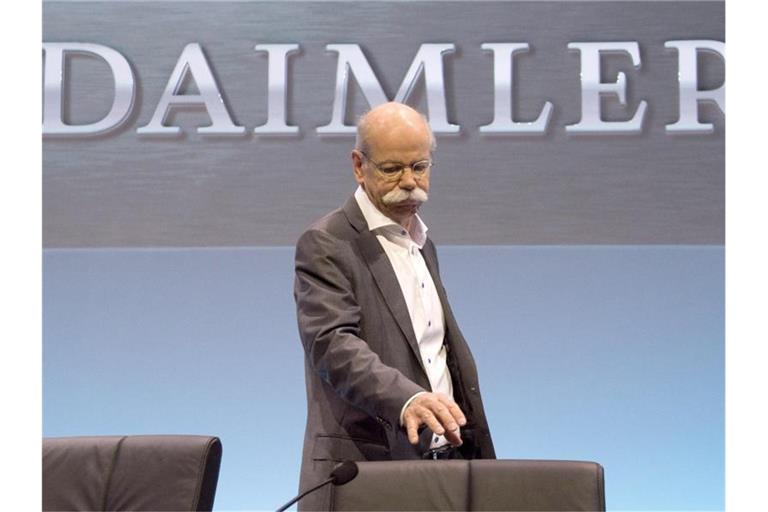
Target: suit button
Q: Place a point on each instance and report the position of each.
(473, 389)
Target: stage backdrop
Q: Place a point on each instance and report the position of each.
(577, 202)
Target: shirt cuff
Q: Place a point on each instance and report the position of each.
(407, 403)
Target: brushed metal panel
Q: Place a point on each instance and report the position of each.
(121, 190)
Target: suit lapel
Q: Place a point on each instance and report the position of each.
(452, 340)
(383, 274)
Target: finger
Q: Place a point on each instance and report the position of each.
(412, 426)
(444, 416)
(454, 409)
(430, 421)
(454, 437)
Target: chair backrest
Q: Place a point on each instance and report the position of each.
(536, 485)
(516, 485)
(163, 472)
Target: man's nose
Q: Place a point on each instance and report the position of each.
(407, 181)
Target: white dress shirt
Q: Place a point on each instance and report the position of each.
(403, 248)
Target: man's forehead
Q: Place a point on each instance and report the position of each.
(400, 155)
(399, 139)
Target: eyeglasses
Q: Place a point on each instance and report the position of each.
(393, 172)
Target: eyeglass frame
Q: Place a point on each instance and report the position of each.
(396, 175)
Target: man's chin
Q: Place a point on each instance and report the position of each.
(406, 205)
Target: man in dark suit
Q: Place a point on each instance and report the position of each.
(388, 373)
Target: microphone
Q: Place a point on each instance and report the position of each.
(341, 474)
(344, 472)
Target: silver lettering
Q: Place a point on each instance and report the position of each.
(428, 63)
(428, 60)
(53, 82)
(277, 85)
(690, 94)
(503, 82)
(592, 89)
(193, 61)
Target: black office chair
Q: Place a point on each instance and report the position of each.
(519, 485)
(163, 472)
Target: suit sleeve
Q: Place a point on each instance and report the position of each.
(329, 323)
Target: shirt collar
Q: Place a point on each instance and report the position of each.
(378, 221)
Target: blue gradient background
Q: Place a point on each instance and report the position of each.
(606, 353)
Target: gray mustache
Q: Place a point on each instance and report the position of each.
(398, 195)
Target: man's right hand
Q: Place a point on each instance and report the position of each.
(437, 411)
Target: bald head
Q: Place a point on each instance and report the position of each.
(391, 121)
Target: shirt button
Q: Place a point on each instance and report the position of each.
(402, 232)
(422, 285)
(429, 324)
(437, 439)
(429, 360)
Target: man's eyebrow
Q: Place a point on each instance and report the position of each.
(395, 162)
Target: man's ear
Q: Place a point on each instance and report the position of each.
(357, 166)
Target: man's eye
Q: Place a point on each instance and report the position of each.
(390, 170)
(420, 167)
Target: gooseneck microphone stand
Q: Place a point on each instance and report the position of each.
(340, 475)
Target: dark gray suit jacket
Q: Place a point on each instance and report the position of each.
(362, 358)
